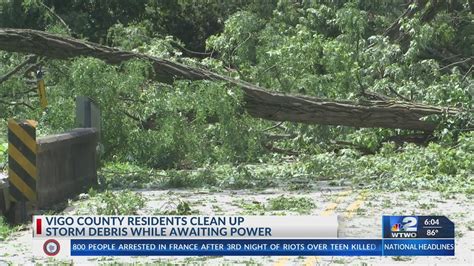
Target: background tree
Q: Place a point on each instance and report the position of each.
(418, 51)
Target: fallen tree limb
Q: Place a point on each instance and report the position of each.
(272, 148)
(418, 139)
(5, 77)
(260, 103)
(328, 112)
(273, 137)
(16, 104)
(341, 144)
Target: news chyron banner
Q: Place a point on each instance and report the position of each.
(170, 235)
(65, 236)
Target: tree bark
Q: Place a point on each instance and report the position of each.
(304, 109)
(259, 102)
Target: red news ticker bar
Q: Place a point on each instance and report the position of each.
(38, 226)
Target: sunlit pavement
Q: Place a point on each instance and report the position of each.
(359, 213)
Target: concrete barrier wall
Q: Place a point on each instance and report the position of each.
(66, 165)
(4, 195)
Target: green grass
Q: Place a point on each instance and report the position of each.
(339, 261)
(446, 169)
(3, 153)
(177, 207)
(5, 229)
(112, 203)
(251, 207)
(302, 205)
(290, 203)
(426, 206)
(125, 175)
(470, 225)
(401, 258)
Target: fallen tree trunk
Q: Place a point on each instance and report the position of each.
(259, 102)
(303, 109)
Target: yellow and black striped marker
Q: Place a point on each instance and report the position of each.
(41, 90)
(22, 173)
(42, 94)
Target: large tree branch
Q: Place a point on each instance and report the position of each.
(259, 102)
(328, 112)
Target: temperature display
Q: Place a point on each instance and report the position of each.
(417, 227)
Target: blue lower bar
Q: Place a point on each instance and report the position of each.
(262, 247)
(418, 247)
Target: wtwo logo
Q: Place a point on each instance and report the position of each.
(403, 227)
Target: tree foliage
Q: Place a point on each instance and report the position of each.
(419, 51)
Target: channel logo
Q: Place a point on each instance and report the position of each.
(403, 226)
(397, 227)
(51, 247)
